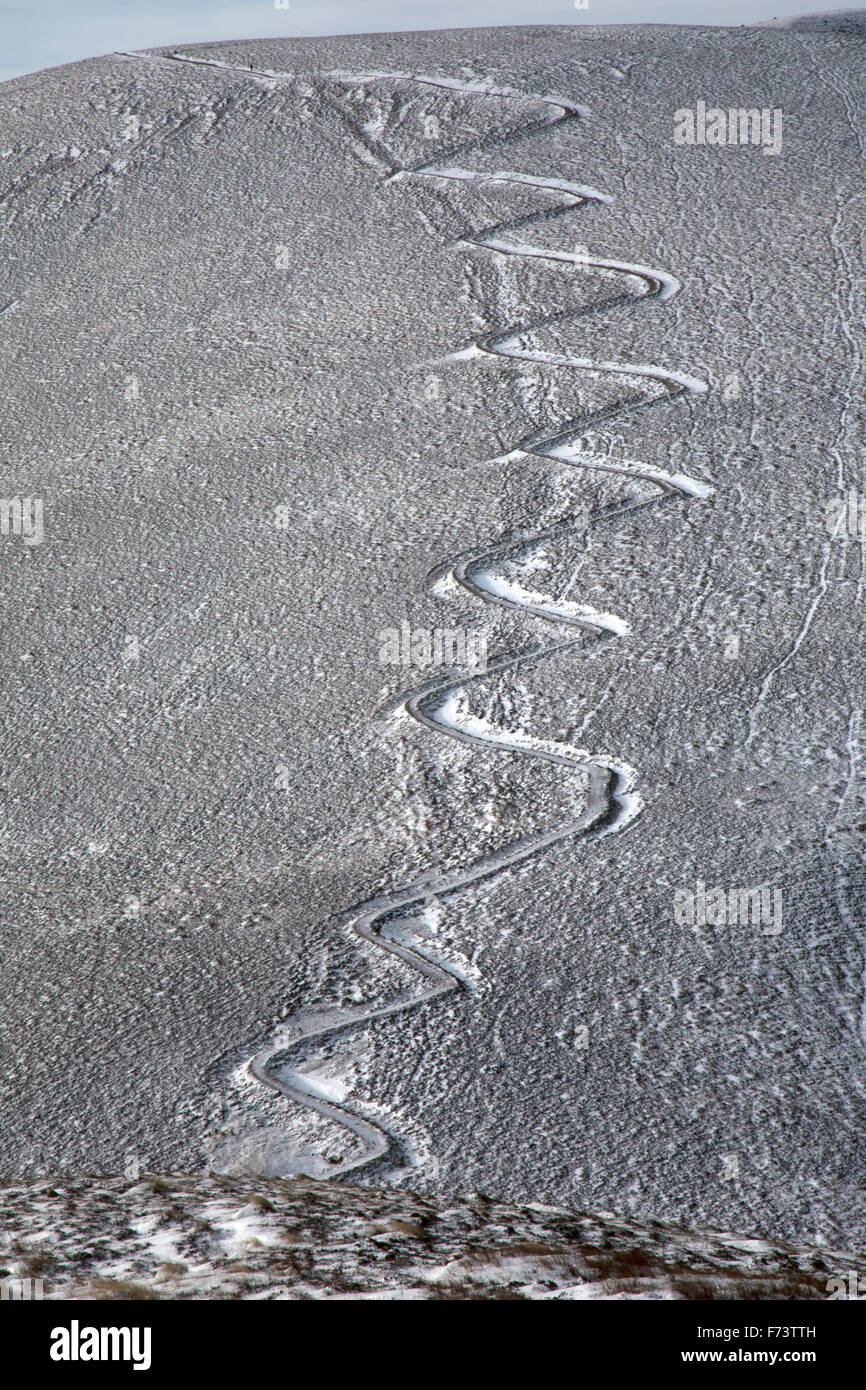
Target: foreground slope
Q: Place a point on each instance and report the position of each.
(182, 1237)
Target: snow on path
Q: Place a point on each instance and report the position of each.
(613, 803)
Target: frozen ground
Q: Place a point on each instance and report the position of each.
(180, 1237)
(275, 401)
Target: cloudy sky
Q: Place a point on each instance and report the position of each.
(41, 33)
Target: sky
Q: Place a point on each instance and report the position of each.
(38, 34)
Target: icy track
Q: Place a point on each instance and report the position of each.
(613, 801)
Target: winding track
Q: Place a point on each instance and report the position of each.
(613, 802)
